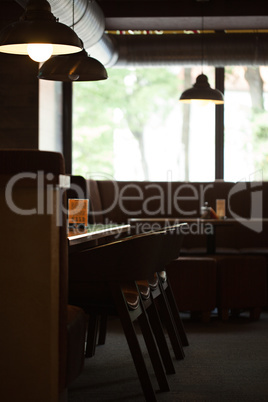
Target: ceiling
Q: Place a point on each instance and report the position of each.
(218, 17)
(184, 14)
(233, 30)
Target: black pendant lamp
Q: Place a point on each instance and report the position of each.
(201, 90)
(39, 34)
(73, 67)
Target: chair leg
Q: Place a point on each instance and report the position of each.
(133, 342)
(176, 315)
(166, 317)
(92, 330)
(102, 329)
(153, 351)
(160, 337)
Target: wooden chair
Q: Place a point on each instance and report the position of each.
(102, 281)
(162, 293)
(171, 250)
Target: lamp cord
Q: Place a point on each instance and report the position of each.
(73, 15)
(82, 16)
(202, 40)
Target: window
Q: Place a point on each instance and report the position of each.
(246, 123)
(132, 126)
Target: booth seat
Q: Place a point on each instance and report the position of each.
(195, 289)
(229, 283)
(42, 338)
(241, 284)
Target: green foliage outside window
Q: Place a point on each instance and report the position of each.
(129, 99)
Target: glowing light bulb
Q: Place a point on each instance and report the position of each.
(40, 51)
(201, 102)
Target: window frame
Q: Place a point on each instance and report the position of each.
(67, 112)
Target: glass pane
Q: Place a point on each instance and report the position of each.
(132, 127)
(199, 137)
(246, 123)
(50, 115)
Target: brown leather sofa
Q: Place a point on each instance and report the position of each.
(245, 201)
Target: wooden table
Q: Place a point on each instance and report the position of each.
(80, 239)
(209, 226)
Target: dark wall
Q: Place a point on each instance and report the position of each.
(18, 102)
(18, 92)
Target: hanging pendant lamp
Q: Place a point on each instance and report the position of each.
(38, 31)
(201, 91)
(73, 67)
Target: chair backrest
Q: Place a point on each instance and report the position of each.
(33, 276)
(130, 259)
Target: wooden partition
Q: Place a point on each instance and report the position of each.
(29, 293)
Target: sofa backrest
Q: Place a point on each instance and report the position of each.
(244, 201)
(33, 276)
(124, 200)
(118, 201)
